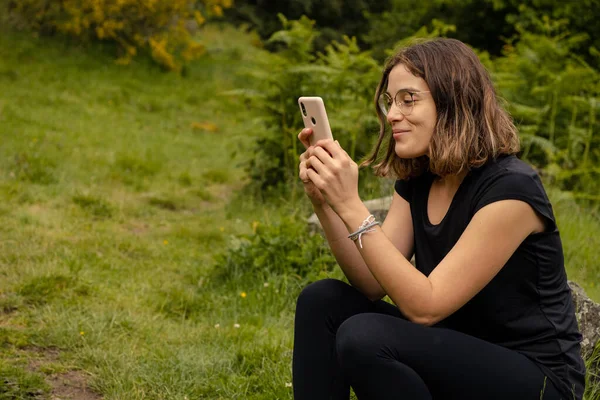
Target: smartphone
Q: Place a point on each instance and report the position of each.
(315, 117)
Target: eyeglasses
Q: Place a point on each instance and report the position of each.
(404, 101)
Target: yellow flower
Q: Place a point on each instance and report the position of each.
(165, 242)
(243, 294)
(254, 226)
(82, 333)
(217, 10)
(199, 18)
(222, 229)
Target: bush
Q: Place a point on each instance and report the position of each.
(337, 17)
(343, 75)
(163, 28)
(554, 97)
(552, 93)
(283, 248)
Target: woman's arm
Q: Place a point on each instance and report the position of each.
(346, 254)
(348, 257)
(397, 227)
(490, 239)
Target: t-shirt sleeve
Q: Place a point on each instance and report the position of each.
(519, 186)
(404, 188)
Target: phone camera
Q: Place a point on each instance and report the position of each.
(303, 109)
(314, 121)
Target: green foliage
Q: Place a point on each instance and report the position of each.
(35, 167)
(336, 17)
(216, 176)
(552, 93)
(553, 96)
(576, 18)
(12, 337)
(43, 289)
(282, 248)
(18, 384)
(136, 170)
(343, 75)
(164, 203)
(95, 206)
(405, 20)
(592, 378)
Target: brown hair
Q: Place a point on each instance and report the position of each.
(471, 128)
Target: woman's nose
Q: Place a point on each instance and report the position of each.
(394, 114)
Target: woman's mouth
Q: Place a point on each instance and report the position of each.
(399, 132)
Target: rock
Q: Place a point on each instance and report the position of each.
(588, 316)
(378, 207)
(587, 311)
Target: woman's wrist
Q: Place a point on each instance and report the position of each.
(352, 213)
(320, 205)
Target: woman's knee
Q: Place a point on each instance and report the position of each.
(321, 295)
(354, 340)
(364, 338)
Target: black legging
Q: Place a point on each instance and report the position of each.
(342, 339)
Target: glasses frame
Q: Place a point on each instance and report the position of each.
(399, 104)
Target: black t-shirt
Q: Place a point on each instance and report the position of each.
(527, 306)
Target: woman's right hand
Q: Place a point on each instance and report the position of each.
(310, 189)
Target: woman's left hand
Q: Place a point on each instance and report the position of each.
(334, 173)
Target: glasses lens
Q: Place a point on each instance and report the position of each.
(385, 102)
(405, 101)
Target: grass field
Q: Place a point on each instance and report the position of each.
(118, 186)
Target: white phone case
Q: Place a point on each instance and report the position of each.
(315, 117)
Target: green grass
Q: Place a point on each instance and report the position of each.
(112, 206)
(117, 187)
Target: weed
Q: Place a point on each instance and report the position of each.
(95, 206)
(284, 247)
(164, 203)
(203, 194)
(18, 384)
(179, 303)
(216, 176)
(133, 169)
(34, 167)
(185, 179)
(13, 338)
(43, 289)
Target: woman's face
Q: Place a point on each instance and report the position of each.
(411, 133)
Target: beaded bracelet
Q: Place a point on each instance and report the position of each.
(366, 226)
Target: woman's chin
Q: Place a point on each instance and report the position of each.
(403, 150)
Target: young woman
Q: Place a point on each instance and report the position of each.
(486, 313)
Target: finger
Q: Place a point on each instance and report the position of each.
(317, 165)
(302, 175)
(302, 169)
(303, 136)
(315, 179)
(304, 156)
(323, 156)
(332, 148)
